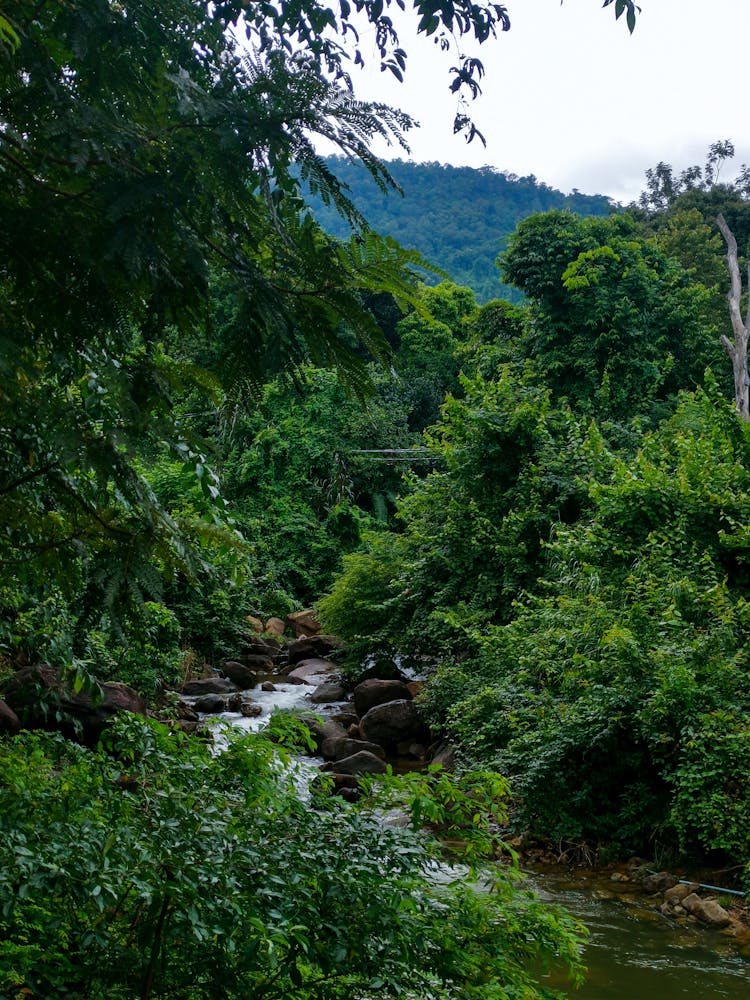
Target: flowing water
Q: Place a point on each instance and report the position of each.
(633, 953)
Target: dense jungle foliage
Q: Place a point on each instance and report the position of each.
(208, 405)
(576, 563)
(184, 352)
(167, 871)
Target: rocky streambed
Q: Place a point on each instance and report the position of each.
(362, 730)
(653, 934)
(356, 731)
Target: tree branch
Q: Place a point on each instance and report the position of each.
(728, 346)
(22, 480)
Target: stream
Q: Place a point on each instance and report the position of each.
(633, 953)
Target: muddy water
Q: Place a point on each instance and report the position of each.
(634, 953)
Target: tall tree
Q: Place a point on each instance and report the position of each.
(673, 207)
(145, 161)
(618, 327)
(736, 350)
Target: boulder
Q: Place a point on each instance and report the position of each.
(347, 718)
(184, 712)
(24, 690)
(713, 914)
(677, 893)
(347, 794)
(393, 722)
(310, 670)
(261, 663)
(345, 785)
(381, 668)
(708, 911)
(274, 626)
(9, 721)
(240, 674)
(373, 692)
(251, 710)
(339, 747)
(304, 622)
(41, 700)
(210, 704)
(259, 648)
(187, 726)
(659, 882)
(344, 781)
(268, 686)
(312, 646)
(362, 762)
(209, 685)
(324, 694)
(117, 697)
(256, 625)
(321, 731)
(445, 756)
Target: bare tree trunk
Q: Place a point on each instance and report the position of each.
(737, 351)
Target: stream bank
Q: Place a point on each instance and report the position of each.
(636, 950)
(636, 953)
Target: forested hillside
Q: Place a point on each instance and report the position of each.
(458, 218)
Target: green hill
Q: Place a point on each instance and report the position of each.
(458, 217)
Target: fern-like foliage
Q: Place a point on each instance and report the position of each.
(154, 241)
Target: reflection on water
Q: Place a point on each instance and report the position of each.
(634, 953)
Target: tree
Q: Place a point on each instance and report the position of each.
(615, 326)
(697, 188)
(511, 465)
(426, 358)
(678, 212)
(663, 188)
(617, 692)
(737, 351)
(146, 160)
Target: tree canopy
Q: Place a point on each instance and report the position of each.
(148, 206)
(617, 324)
(145, 180)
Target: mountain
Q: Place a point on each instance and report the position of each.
(459, 218)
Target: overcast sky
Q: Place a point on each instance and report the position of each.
(571, 97)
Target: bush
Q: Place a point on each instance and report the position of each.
(615, 696)
(154, 868)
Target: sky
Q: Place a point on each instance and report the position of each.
(571, 97)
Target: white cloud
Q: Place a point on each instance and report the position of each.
(571, 97)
